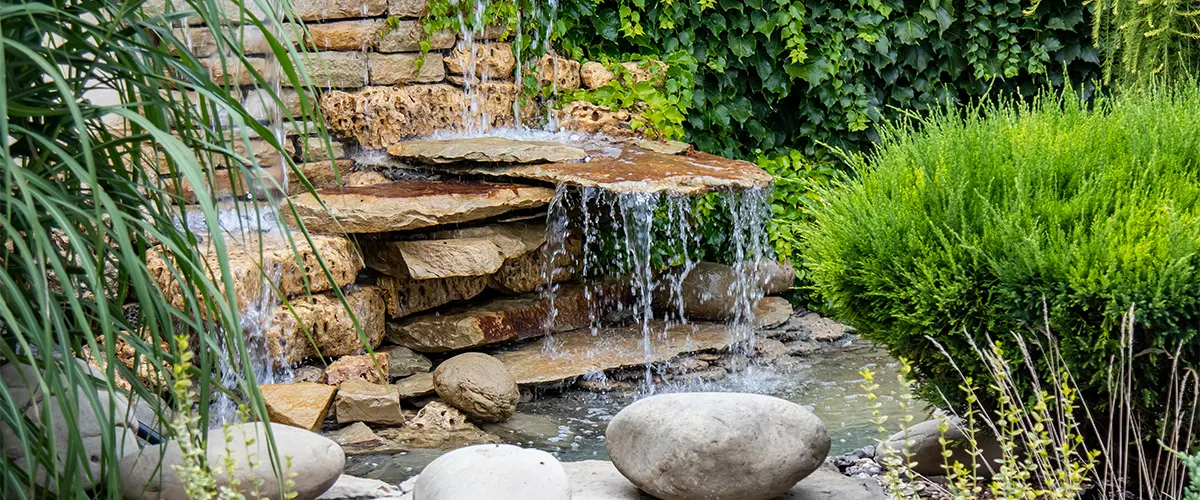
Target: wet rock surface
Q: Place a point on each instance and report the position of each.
(637, 170)
(479, 385)
(716, 445)
(321, 324)
(486, 150)
(438, 425)
(406, 205)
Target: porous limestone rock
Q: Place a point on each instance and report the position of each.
(371, 368)
(479, 385)
(315, 463)
(485, 150)
(372, 403)
(710, 446)
(438, 425)
(406, 205)
(594, 75)
(299, 404)
(324, 321)
(377, 117)
(395, 69)
(649, 70)
(492, 60)
(89, 423)
(290, 266)
(560, 72)
(589, 118)
(497, 472)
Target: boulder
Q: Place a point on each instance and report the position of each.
(924, 448)
(357, 488)
(770, 312)
(775, 278)
(709, 291)
(497, 472)
(485, 150)
(438, 425)
(321, 325)
(505, 319)
(594, 75)
(405, 205)
(89, 423)
(821, 328)
(702, 446)
(403, 362)
(479, 385)
(315, 463)
(358, 367)
(372, 403)
(300, 404)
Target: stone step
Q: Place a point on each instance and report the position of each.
(414, 204)
(579, 353)
(637, 170)
(505, 319)
(486, 150)
(477, 251)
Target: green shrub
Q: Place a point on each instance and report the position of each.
(971, 225)
(779, 74)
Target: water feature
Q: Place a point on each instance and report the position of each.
(570, 424)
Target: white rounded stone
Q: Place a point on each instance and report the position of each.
(493, 472)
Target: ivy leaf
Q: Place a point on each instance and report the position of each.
(741, 46)
(909, 31)
(814, 72)
(721, 113)
(739, 109)
(607, 24)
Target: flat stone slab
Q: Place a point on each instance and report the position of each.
(636, 170)
(579, 353)
(485, 150)
(476, 251)
(415, 204)
(504, 319)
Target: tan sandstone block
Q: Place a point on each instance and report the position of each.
(406, 36)
(320, 10)
(345, 35)
(372, 403)
(372, 369)
(393, 69)
(337, 70)
(301, 404)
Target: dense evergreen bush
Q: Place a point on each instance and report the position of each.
(968, 226)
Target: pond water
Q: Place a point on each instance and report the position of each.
(570, 424)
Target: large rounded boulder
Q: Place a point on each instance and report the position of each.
(495, 472)
(312, 461)
(479, 385)
(716, 446)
